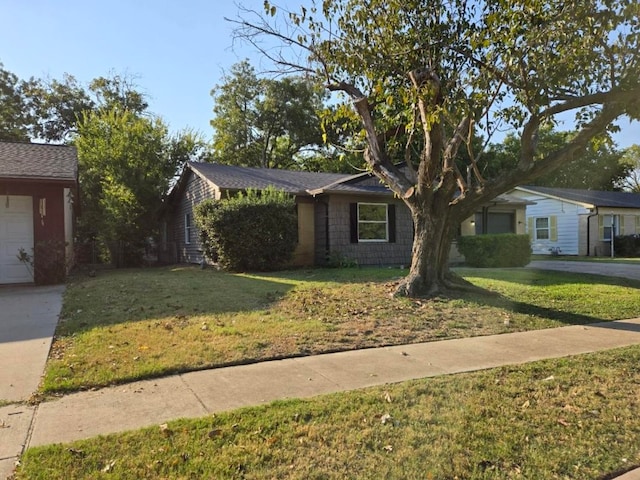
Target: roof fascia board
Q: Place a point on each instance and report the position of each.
(327, 188)
(556, 197)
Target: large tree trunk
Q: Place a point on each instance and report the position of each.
(434, 232)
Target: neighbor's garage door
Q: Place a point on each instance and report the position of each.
(16, 232)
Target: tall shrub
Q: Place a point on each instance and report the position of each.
(256, 230)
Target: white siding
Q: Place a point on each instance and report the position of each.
(567, 217)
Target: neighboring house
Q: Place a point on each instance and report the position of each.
(352, 217)
(578, 222)
(37, 184)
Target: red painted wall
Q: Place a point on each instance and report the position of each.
(48, 231)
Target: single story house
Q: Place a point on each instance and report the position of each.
(332, 211)
(37, 185)
(578, 222)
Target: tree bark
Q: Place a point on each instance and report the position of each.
(430, 274)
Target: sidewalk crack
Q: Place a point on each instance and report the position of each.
(196, 396)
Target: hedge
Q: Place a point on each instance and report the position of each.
(491, 251)
(256, 230)
(627, 245)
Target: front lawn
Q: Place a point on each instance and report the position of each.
(126, 325)
(568, 418)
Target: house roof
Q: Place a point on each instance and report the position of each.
(37, 161)
(588, 198)
(231, 177)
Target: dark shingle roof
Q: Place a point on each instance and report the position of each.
(231, 177)
(38, 161)
(592, 197)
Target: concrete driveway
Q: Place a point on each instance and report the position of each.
(28, 318)
(621, 270)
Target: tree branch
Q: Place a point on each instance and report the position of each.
(375, 154)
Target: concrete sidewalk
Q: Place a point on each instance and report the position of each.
(28, 319)
(196, 394)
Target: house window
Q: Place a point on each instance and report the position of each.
(187, 228)
(373, 221)
(496, 223)
(610, 223)
(542, 230)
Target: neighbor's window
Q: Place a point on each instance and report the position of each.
(187, 228)
(542, 228)
(373, 222)
(610, 223)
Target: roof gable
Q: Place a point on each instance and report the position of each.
(36, 161)
(593, 198)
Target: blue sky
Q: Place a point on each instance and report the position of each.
(176, 50)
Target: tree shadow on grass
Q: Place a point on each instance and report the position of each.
(121, 296)
(539, 277)
(509, 305)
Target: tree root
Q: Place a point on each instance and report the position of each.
(413, 287)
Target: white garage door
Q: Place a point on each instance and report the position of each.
(16, 232)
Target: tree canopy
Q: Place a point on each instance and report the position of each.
(631, 157)
(262, 122)
(424, 76)
(600, 167)
(14, 122)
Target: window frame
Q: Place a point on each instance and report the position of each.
(188, 227)
(615, 228)
(537, 229)
(374, 222)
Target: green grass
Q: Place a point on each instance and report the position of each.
(570, 418)
(127, 325)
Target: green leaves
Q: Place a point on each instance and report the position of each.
(126, 162)
(262, 122)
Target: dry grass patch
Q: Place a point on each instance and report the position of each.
(127, 325)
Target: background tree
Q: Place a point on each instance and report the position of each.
(127, 157)
(599, 167)
(14, 121)
(631, 158)
(56, 106)
(441, 71)
(264, 122)
(126, 162)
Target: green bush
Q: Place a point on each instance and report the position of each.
(251, 231)
(490, 251)
(627, 245)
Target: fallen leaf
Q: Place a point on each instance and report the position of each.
(165, 430)
(109, 466)
(387, 397)
(388, 448)
(563, 422)
(385, 418)
(525, 405)
(549, 378)
(77, 453)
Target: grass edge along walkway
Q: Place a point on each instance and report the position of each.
(564, 341)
